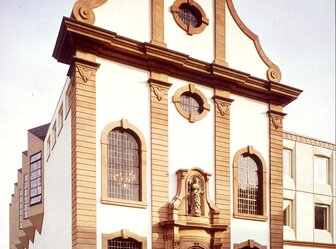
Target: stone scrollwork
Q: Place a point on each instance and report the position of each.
(274, 73)
(82, 10)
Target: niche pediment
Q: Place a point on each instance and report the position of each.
(192, 216)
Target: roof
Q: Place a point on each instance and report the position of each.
(40, 131)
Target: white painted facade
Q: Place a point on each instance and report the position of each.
(57, 228)
(122, 93)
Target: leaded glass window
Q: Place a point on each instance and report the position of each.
(191, 103)
(190, 15)
(249, 201)
(120, 243)
(123, 166)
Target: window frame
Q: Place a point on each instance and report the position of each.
(175, 9)
(261, 170)
(124, 124)
(60, 119)
(53, 135)
(327, 169)
(289, 217)
(30, 178)
(125, 234)
(290, 161)
(327, 207)
(193, 90)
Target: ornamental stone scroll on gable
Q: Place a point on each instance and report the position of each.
(192, 216)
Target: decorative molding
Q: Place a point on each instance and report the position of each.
(82, 10)
(308, 140)
(159, 92)
(273, 72)
(276, 118)
(192, 117)
(124, 124)
(146, 55)
(125, 234)
(85, 72)
(192, 210)
(223, 106)
(309, 244)
(249, 243)
(261, 173)
(175, 9)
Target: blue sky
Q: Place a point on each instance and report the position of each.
(298, 36)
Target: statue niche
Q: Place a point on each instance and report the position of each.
(193, 219)
(195, 194)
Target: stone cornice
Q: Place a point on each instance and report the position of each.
(75, 35)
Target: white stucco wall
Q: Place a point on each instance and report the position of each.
(199, 46)
(57, 221)
(126, 18)
(191, 145)
(122, 93)
(241, 53)
(249, 126)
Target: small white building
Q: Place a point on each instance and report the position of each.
(168, 134)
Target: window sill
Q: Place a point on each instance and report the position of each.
(125, 203)
(251, 217)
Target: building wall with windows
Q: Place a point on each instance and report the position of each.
(309, 192)
(164, 136)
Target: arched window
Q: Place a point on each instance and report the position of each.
(249, 185)
(123, 165)
(249, 244)
(123, 239)
(121, 243)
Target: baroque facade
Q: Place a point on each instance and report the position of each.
(169, 134)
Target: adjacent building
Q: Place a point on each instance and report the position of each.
(169, 134)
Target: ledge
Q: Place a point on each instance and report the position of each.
(75, 35)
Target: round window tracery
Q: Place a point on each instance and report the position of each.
(191, 103)
(190, 16)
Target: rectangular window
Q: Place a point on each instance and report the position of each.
(20, 209)
(321, 169)
(287, 162)
(60, 119)
(67, 100)
(287, 213)
(321, 217)
(25, 196)
(48, 147)
(53, 134)
(36, 179)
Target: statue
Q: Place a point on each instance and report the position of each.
(194, 199)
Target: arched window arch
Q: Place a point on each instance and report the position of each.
(249, 244)
(123, 239)
(249, 172)
(123, 165)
